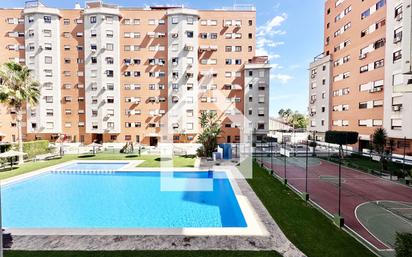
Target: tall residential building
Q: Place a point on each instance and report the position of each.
(361, 80)
(112, 74)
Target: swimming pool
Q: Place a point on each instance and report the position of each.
(118, 200)
(93, 166)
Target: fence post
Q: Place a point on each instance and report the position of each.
(306, 194)
(271, 157)
(284, 154)
(404, 154)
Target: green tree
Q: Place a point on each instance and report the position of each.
(211, 129)
(299, 121)
(18, 87)
(379, 138)
(293, 119)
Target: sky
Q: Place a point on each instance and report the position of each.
(290, 32)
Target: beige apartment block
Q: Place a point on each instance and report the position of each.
(359, 41)
(110, 74)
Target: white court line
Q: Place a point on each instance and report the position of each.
(357, 218)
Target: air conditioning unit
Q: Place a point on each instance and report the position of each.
(376, 89)
(312, 101)
(362, 56)
(397, 108)
(313, 76)
(398, 17)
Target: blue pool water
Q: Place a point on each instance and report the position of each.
(117, 200)
(94, 166)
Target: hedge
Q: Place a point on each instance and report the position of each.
(341, 137)
(403, 245)
(33, 148)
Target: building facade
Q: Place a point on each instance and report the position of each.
(362, 41)
(110, 74)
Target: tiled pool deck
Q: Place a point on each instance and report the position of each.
(264, 234)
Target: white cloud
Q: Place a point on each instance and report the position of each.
(283, 78)
(274, 22)
(264, 37)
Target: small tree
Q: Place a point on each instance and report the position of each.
(379, 143)
(211, 126)
(341, 138)
(403, 245)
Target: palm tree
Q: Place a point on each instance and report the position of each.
(18, 87)
(211, 126)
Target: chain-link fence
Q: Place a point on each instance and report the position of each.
(370, 191)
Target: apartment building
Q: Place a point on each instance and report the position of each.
(364, 49)
(112, 74)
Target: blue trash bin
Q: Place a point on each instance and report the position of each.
(227, 151)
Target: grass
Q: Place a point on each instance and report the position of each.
(142, 254)
(364, 163)
(178, 161)
(307, 228)
(32, 166)
(149, 161)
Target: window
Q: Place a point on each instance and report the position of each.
(190, 20)
(109, 47)
(380, 4)
(189, 34)
(47, 19)
(49, 99)
(365, 14)
(398, 12)
(93, 19)
(47, 33)
(48, 60)
(66, 21)
(109, 33)
(397, 55)
(109, 19)
(379, 64)
(48, 46)
(364, 68)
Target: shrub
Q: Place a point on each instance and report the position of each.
(33, 148)
(403, 245)
(4, 148)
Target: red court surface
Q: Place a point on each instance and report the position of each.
(357, 188)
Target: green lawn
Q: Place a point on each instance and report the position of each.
(32, 166)
(365, 163)
(178, 161)
(149, 161)
(142, 254)
(312, 232)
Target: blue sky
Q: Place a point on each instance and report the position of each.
(289, 31)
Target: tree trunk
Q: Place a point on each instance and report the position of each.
(19, 118)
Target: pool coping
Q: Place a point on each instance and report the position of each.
(261, 233)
